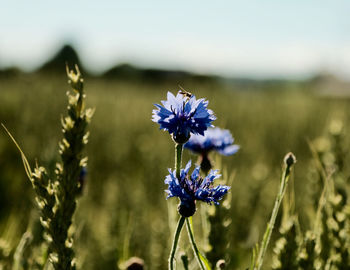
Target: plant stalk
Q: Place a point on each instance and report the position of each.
(175, 241)
(289, 161)
(178, 157)
(193, 243)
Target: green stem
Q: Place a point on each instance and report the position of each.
(270, 225)
(175, 241)
(193, 243)
(178, 156)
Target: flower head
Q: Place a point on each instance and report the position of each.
(190, 188)
(216, 139)
(183, 115)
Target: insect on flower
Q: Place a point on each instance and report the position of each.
(183, 115)
(185, 93)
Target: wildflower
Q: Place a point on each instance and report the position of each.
(190, 188)
(183, 115)
(214, 139)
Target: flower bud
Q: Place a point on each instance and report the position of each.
(184, 259)
(220, 264)
(181, 138)
(134, 263)
(187, 209)
(290, 159)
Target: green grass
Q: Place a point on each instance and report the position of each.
(123, 211)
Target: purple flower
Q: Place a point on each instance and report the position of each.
(190, 188)
(183, 115)
(216, 139)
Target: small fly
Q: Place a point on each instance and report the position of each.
(185, 93)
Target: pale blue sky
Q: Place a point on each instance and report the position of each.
(239, 38)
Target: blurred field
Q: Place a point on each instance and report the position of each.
(123, 211)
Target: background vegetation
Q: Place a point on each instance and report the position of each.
(122, 211)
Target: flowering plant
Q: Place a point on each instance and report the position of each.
(189, 188)
(183, 115)
(213, 139)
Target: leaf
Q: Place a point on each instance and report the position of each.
(204, 260)
(24, 159)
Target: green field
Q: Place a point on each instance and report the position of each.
(123, 211)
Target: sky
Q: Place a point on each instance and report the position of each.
(257, 38)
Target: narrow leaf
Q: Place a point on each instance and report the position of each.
(24, 159)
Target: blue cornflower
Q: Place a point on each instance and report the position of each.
(183, 115)
(191, 188)
(216, 139)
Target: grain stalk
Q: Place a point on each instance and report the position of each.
(57, 199)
